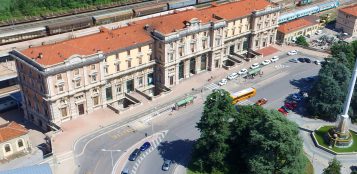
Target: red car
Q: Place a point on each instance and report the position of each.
(290, 105)
(282, 110)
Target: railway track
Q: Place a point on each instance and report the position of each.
(45, 22)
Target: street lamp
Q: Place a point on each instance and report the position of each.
(111, 154)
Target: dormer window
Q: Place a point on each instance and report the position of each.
(76, 72)
(59, 76)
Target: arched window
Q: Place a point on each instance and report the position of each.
(20, 143)
(7, 148)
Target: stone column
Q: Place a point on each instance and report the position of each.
(198, 64)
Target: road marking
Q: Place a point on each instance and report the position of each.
(245, 102)
(212, 86)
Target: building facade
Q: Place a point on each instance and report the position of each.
(68, 79)
(347, 20)
(289, 31)
(14, 139)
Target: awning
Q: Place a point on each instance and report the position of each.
(254, 71)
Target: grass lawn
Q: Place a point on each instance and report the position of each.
(320, 133)
(4, 4)
(309, 168)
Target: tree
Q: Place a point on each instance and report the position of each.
(342, 47)
(267, 142)
(334, 167)
(328, 93)
(211, 148)
(301, 40)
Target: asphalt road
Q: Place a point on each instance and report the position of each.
(275, 85)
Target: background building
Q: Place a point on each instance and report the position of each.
(64, 80)
(14, 140)
(347, 20)
(289, 31)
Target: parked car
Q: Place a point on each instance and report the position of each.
(145, 146)
(166, 165)
(317, 62)
(223, 82)
(290, 105)
(296, 97)
(254, 66)
(294, 60)
(134, 155)
(125, 171)
(286, 109)
(274, 59)
(307, 60)
(292, 52)
(266, 62)
(281, 110)
(243, 71)
(261, 102)
(232, 76)
(302, 60)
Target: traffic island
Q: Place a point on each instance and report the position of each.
(322, 139)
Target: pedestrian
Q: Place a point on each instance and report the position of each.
(146, 134)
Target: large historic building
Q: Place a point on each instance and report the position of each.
(70, 78)
(347, 20)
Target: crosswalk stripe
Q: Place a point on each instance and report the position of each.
(212, 86)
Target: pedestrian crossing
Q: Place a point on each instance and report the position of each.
(245, 102)
(212, 86)
(281, 66)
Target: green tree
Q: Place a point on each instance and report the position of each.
(211, 148)
(328, 93)
(264, 141)
(342, 47)
(301, 40)
(334, 167)
(354, 172)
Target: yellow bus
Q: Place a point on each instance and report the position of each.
(243, 95)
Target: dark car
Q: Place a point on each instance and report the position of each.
(302, 60)
(291, 105)
(136, 153)
(307, 60)
(145, 146)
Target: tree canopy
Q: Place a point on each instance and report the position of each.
(301, 40)
(334, 167)
(253, 140)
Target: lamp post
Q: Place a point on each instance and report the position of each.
(111, 154)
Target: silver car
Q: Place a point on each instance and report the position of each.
(166, 165)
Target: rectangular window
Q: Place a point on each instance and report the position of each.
(64, 112)
(128, 52)
(140, 81)
(139, 49)
(119, 89)
(256, 43)
(59, 76)
(171, 57)
(108, 93)
(60, 88)
(194, 36)
(204, 43)
(181, 51)
(95, 101)
(171, 80)
(78, 83)
(76, 72)
(117, 56)
(140, 60)
(94, 78)
(92, 67)
(106, 69)
(192, 47)
(117, 67)
(218, 42)
(129, 63)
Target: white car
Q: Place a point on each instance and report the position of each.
(232, 76)
(243, 71)
(223, 82)
(254, 66)
(292, 52)
(317, 62)
(266, 62)
(274, 59)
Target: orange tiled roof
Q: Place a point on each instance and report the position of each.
(236, 9)
(352, 10)
(106, 41)
(10, 131)
(295, 25)
(267, 51)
